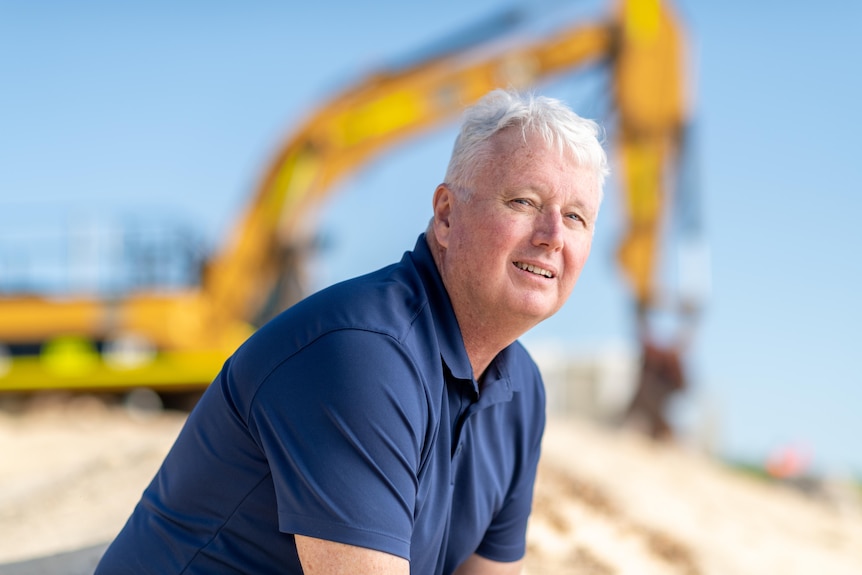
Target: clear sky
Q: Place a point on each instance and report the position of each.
(169, 111)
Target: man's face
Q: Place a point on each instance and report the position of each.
(514, 250)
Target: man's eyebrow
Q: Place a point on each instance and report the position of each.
(580, 205)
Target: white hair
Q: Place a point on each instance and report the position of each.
(547, 117)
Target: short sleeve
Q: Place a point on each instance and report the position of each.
(505, 538)
(342, 425)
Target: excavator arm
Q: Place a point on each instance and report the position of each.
(362, 122)
(650, 85)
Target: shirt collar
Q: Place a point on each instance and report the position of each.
(498, 384)
(449, 333)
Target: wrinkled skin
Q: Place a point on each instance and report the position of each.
(511, 253)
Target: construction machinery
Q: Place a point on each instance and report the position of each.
(178, 339)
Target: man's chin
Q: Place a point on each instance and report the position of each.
(537, 312)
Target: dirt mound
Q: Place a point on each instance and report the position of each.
(607, 502)
(610, 502)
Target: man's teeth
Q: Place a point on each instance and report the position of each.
(534, 269)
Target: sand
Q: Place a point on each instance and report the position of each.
(607, 501)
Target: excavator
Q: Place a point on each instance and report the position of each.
(178, 339)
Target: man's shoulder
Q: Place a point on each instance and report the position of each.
(525, 377)
(520, 363)
(387, 302)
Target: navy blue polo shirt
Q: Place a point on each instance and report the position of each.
(353, 417)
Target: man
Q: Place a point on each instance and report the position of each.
(391, 424)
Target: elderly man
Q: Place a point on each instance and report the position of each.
(392, 423)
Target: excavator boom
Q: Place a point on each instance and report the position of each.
(187, 335)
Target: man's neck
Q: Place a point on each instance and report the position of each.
(482, 349)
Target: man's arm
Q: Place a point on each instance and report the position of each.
(321, 557)
(477, 565)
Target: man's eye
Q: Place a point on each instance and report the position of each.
(522, 201)
(575, 217)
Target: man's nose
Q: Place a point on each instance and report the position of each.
(548, 230)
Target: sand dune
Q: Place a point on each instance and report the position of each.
(607, 502)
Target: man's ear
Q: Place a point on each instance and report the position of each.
(442, 203)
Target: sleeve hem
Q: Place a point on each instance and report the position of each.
(340, 533)
(501, 553)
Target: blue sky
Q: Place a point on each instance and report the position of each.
(170, 111)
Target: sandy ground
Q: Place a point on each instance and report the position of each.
(607, 502)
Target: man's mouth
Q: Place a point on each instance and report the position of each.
(533, 269)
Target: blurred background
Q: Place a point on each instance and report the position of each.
(133, 137)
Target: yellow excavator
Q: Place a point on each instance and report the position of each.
(177, 340)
